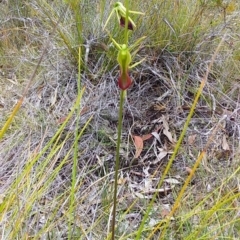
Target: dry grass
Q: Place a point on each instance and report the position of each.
(37, 152)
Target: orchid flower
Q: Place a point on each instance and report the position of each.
(124, 59)
(120, 11)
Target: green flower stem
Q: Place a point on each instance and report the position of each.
(117, 163)
(126, 24)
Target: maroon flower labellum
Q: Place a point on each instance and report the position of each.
(121, 12)
(123, 21)
(124, 81)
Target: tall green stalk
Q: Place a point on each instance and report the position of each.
(117, 163)
(120, 119)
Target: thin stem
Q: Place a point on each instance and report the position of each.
(126, 23)
(122, 94)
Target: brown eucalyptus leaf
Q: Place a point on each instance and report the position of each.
(138, 142)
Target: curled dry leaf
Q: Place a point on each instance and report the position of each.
(166, 130)
(138, 142)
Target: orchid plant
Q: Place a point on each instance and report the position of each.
(124, 59)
